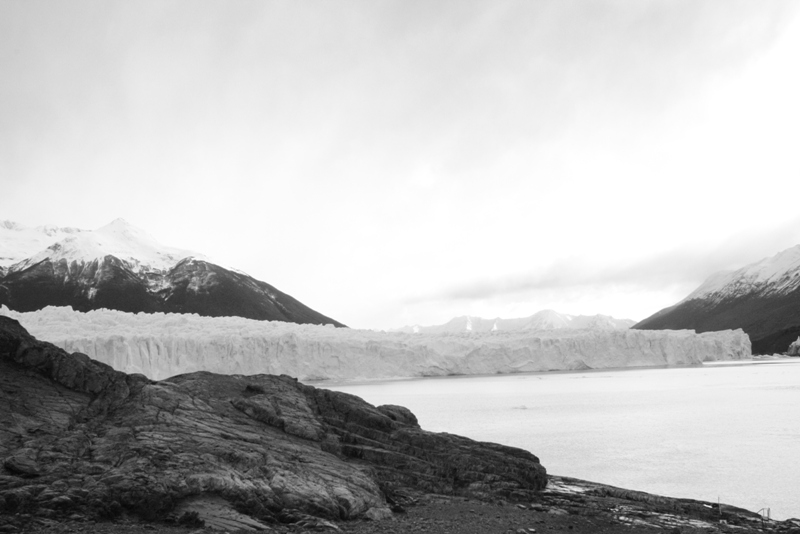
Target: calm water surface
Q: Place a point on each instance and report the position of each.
(728, 432)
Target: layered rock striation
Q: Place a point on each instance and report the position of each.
(78, 437)
(160, 346)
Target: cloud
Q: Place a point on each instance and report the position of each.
(379, 148)
(682, 267)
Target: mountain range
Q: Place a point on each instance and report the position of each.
(762, 298)
(543, 320)
(121, 267)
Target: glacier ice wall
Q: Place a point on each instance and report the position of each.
(162, 345)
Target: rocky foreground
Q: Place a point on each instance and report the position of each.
(85, 448)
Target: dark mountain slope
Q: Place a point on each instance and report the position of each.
(106, 283)
(120, 267)
(196, 286)
(771, 321)
(191, 286)
(763, 299)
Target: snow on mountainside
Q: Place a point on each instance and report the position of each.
(762, 298)
(775, 275)
(119, 239)
(121, 267)
(18, 242)
(163, 345)
(543, 320)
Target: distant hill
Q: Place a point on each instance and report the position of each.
(543, 320)
(120, 267)
(762, 298)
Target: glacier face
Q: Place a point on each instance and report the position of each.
(163, 345)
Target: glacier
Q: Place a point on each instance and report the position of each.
(162, 345)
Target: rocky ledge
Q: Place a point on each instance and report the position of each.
(79, 439)
(82, 445)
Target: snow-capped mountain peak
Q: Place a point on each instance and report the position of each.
(776, 274)
(118, 238)
(542, 320)
(124, 229)
(122, 267)
(548, 319)
(18, 242)
(762, 298)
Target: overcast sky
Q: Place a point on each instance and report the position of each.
(392, 163)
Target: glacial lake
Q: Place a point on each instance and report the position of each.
(728, 431)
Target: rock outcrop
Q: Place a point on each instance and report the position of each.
(163, 345)
(78, 437)
(794, 348)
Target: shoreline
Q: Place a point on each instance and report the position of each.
(519, 410)
(566, 505)
(755, 360)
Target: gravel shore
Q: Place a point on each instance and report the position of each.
(439, 514)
